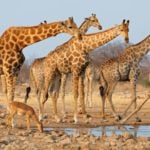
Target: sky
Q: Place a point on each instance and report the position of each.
(109, 13)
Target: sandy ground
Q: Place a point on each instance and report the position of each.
(19, 138)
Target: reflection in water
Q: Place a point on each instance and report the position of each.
(108, 130)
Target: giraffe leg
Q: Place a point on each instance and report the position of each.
(10, 80)
(102, 90)
(54, 100)
(4, 87)
(133, 99)
(110, 90)
(135, 111)
(86, 91)
(38, 92)
(55, 95)
(47, 84)
(75, 90)
(39, 103)
(90, 91)
(62, 93)
(81, 94)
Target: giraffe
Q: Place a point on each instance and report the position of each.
(72, 57)
(91, 73)
(125, 67)
(36, 73)
(14, 39)
(3, 77)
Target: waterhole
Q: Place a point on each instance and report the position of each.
(107, 130)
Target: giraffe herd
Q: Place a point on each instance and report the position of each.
(51, 72)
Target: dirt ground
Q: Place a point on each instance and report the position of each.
(19, 138)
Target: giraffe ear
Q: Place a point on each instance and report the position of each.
(63, 23)
(86, 18)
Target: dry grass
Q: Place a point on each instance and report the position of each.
(121, 99)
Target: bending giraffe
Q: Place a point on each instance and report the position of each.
(3, 77)
(14, 39)
(72, 57)
(125, 67)
(36, 73)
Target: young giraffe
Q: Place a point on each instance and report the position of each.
(14, 39)
(36, 73)
(123, 68)
(72, 57)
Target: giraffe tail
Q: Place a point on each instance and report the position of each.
(101, 90)
(28, 90)
(103, 84)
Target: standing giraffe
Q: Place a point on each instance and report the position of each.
(14, 39)
(36, 72)
(72, 57)
(125, 67)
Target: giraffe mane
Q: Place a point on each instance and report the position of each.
(100, 31)
(141, 41)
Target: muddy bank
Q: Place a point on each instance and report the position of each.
(21, 139)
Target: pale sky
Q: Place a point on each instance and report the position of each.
(109, 12)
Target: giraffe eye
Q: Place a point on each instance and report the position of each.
(70, 27)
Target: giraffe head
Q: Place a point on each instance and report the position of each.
(93, 21)
(124, 30)
(69, 26)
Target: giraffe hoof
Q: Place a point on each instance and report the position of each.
(40, 117)
(138, 119)
(80, 112)
(118, 118)
(75, 121)
(87, 118)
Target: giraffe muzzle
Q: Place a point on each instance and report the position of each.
(127, 40)
(100, 27)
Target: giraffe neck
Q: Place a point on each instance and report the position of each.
(142, 48)
(91, 41)
(25, 36)
(84, 27)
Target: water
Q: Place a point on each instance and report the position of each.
(107, 130)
